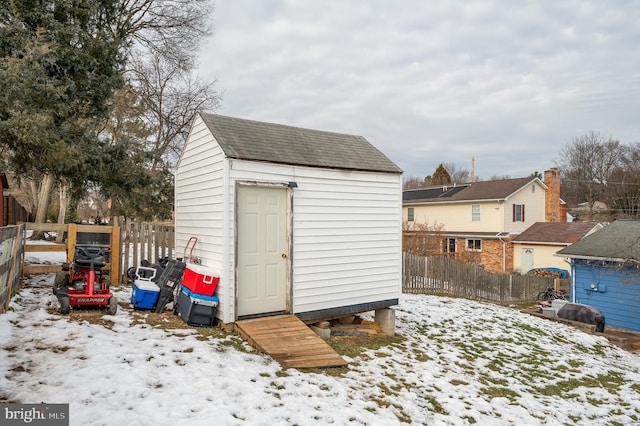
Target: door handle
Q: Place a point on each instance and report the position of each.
(284, 255)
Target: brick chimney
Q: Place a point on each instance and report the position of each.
(552, 197)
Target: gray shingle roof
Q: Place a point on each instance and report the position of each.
(555, 232)
(619, 241)
(486, 190)
(277, 143)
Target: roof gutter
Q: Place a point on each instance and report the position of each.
(426, 201)
(607, 259)
(541, 243)
(600, 259)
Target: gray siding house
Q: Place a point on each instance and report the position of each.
(605, 272)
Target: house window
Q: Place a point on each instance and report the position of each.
(410, 214)
(475, 212)
(474, 244)
(518, 212)
(449, 245)
(533, 188)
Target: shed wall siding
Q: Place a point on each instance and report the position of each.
(620, 302)
(200, 208)
(346, 233)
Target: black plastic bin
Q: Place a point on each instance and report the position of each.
(169, 282)
(195, 309)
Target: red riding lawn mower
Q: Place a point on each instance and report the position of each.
(81, 283)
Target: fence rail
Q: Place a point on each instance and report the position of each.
(443, 276)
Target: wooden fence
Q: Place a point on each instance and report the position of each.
(145, 241)
(125, 246)
(11, 255)
(106, 236)
(13, 212)
(443, 276)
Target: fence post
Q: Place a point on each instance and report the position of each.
(135, 231)
(18, 255)
(148, 235)
(115, 254)
(72, 235)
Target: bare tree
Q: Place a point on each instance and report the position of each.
(422, 239)
(499, 177)
(623, 193)
(173, 29)
(413, 182)
(457, 175)
(587, 164)
(169, 94)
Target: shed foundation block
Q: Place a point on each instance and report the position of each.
(322, 329)
(386, 317)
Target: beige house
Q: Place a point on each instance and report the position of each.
(478, 220)
(536, 247)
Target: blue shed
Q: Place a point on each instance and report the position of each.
(605, 270)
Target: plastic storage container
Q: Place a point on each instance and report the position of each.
(169, 281)
(144, 294)
(200, 279)
(196, 309)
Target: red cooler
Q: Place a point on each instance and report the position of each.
(200, 279)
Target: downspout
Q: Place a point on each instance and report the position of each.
(573, 279)
(573, 282)
(504, 253)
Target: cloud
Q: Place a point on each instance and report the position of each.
(431, 82)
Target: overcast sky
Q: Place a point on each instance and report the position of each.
(506, 82)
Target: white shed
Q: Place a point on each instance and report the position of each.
(294, 220)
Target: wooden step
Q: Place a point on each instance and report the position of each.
(289, 341)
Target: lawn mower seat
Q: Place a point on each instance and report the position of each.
(85, 255)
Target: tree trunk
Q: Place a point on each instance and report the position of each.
(44, 196)
(62, 212)
(33, 194)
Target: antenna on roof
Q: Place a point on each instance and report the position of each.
(473, 169)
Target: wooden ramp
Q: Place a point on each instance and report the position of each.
(289, 341)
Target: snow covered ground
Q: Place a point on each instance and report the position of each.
(460, 362)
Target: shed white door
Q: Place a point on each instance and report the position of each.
(262, 250)
(527, 260)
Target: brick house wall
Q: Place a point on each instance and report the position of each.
(497, 256)
(491, 257)
(552, 210)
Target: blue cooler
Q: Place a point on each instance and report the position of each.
(196, 309)
(144, 294)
